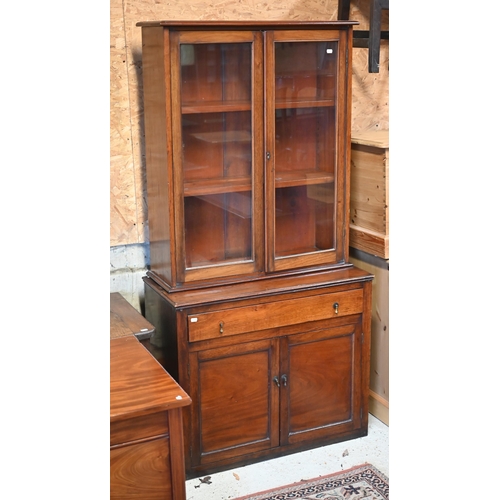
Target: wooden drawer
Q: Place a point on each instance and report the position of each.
(276, 314)
(134, 429)
(141, 471)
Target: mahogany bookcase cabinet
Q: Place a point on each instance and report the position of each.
(258, 313)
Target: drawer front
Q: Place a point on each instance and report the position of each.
(246, 319)
(141, 471)
(134, 429)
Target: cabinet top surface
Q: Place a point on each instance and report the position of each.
(282, 24)
(272, 286)
(376, 138)
(138, 383)
(125, 320)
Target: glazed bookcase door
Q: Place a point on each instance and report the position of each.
(306, 122)
(217, 99)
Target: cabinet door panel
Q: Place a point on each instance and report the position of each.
(306, 118)
(141, 471)
(217, 97)
(323, 381)
(235, 404)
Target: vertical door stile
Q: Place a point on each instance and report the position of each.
(284, 369)
(269, 150)
(193, 421)
(178, 174)
(258, 162)
(170, 161)
(275, 417)
(343, 159)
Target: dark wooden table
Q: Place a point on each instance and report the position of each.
(146, 435)
(125, 320)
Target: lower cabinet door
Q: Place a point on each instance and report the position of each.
(320, 383)
(235, 407)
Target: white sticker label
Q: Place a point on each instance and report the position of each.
(329, 51)
(194, 320)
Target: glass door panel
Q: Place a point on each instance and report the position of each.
(305, 147)
(216, 95)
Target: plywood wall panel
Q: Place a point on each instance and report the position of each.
(370, 91)
(123, 203)
(128, 218)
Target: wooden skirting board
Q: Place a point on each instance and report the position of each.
(379, 407)
(379, 364)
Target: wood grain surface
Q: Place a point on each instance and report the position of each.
(132, 370)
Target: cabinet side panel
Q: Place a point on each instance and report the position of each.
(177, 454)
(164, 339)
(344, 143)
(155, 81)
(141, 471)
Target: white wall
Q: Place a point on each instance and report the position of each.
(128, 265)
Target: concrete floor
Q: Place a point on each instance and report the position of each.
(373, 449)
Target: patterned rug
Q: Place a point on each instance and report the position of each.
(364, 481)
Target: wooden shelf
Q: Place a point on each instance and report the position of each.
(218, 185)
(297, 251)
(301, 178)
(232, 106)
(199, 262)
(222, 185)
(228, 136)
(304, 103)
(239, 204)
(215, 107)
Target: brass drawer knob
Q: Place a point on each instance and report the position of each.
(336, 307)
(221, 327)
